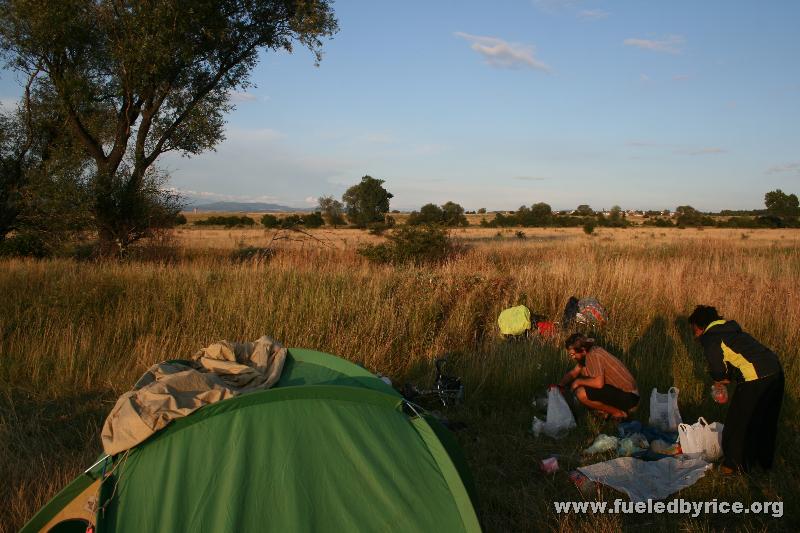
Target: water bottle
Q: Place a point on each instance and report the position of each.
(719, 392)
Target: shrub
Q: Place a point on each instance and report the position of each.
(377, 228)
(24, 245)
(270, 221)
(411, 244)
(180, 219)
(250, 253)
(291, 221)
(227, 221)
(588, 228)
(314, 220)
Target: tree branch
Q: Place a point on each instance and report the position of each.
(195, 101)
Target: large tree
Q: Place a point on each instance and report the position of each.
(781, 204)
(367, 202)
(137, 79)
(453, 215)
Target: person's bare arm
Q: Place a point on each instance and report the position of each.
(571, 375)
(596, 382)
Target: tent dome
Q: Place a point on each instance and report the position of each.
(329, 448)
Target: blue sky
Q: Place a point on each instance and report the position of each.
(499, 104)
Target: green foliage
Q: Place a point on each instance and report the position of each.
(450, 214)
(659, 222)
(539, 215)
(42, 184)
(688, 216)
(588, 227)
(367, 201)
(291, 221)
(24, 245)
(411, 244)
(332, 211)
(252, 253)
(453, 215)
(270, 221)
(781, 204)
(313, 220)
(584, 210)
(232, 221)
(180, 220)
(134, 80)
(428, 214)
(482, 211)
(504, 221)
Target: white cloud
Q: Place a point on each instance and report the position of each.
(220, 197)
(503, 54)
(680, 77)
(644, 78)
(670, 44)
(593, 14)
(311, 200)
(788, 167)
(238, 97)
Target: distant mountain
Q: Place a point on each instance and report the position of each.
(246, 207)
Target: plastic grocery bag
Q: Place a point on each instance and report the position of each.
(692, 437)
(712, 439)
(664, 412)
(559, 417)
(602, 443)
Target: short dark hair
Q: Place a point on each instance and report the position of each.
(578, 341)
(703, 315)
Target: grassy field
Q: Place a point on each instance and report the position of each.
(75, 335)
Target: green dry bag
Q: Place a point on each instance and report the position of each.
(514, 320)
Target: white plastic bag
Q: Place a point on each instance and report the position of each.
(664, 412)
(559, 417)
(693, 437)
(712, 438)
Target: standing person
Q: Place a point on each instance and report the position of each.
(600, 380)
(752, 421)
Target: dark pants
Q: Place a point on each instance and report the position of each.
(610, 395)
(752, 423)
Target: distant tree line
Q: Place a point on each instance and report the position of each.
(541, 215)
(782, 211)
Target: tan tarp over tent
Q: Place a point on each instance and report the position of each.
(173, 390)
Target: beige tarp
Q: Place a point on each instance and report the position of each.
(168, 391)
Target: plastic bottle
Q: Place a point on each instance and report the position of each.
(719, 392)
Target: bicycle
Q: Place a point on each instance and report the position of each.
(449, 390)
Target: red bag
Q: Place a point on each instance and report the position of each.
(546, 329)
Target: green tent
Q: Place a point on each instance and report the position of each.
(329, 448)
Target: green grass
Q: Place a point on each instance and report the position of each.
(74, 336)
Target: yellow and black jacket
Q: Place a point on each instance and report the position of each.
(735, 355)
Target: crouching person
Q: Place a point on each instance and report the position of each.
(600, 381)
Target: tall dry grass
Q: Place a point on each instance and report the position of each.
(73, 336)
